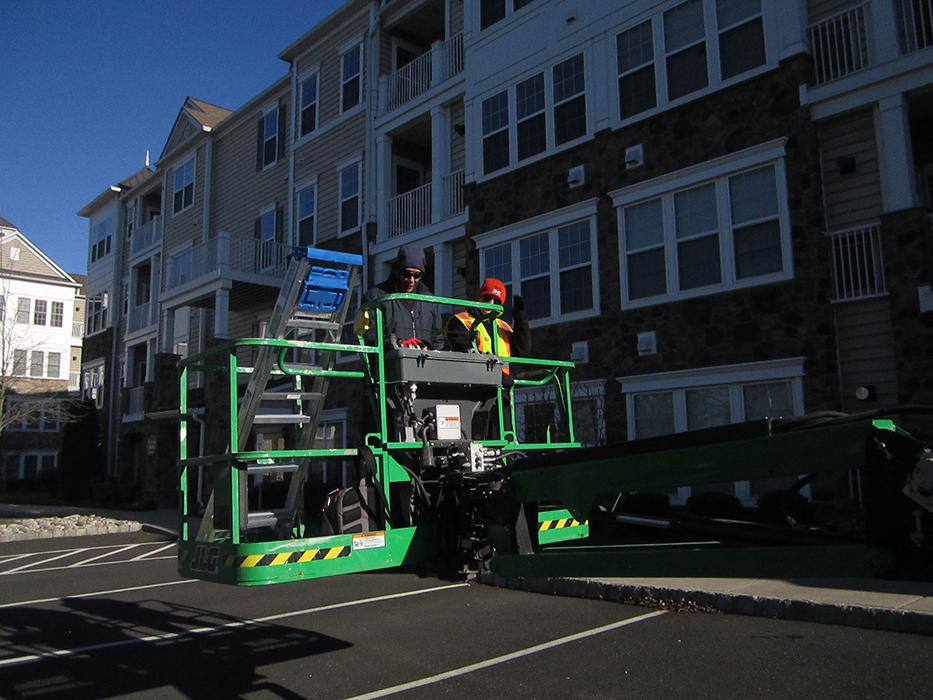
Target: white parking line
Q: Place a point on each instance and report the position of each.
(73, 549)
(105, 554)
(82, 565)
(505, 658)
(146, 555)
(97, 593)
(43, 561)
(60, 653)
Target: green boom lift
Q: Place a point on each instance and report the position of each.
(443, 475)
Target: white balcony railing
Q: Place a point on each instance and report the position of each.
(410, 211)
(857, 265)
(74, 381)
(453, 193)
(135, 400)
(442, 62)
(916, 18)
(141, 317)
(146, 235)
(224, 254)
(77, 329)
(840, 44)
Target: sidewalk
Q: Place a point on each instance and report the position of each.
(895, 606)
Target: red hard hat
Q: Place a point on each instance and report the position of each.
(493, 288)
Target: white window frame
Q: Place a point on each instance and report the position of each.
(735, 377)
(46, 420)
(770, 20)
(357, 162)
(594, 388)
(511, 91)
(23, 311)
(60, 315)
(510, 11)
(273, 112)
(97, 318)
(550, 223)
(48, 365)
(93, 378)
(182, 170)
(299, 189)
(718, 170)
(315, 75)
(38, 454)
(40, 312)
(267, 245)
(355, 45)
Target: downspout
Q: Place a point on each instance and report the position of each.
(292, 120)
(114, 417)
(372, 99)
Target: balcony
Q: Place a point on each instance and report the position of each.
(227, 257)
(861, 36)
(135, 401)
(414, 209)
(143, 316)
(432, 68)
(146, 236)
(857, 266)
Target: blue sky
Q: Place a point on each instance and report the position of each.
(87, 87)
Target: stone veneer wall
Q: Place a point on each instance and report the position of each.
(907, 242)
(779, 320)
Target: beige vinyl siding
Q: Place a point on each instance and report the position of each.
(866, 350)
(319, 158)
(242, 325)
(326, 57)
(456, 17)
(186, 225)
(28, 263)
(74, 358)
(820, 9)
(457, 142)
(240, 192)
(854, 198)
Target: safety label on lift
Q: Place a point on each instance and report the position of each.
(369, 540)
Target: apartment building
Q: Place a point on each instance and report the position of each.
(41, 317)
(717, 208)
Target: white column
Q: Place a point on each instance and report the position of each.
(222, 313)
(443, 270)
(438, 69)
(383, 184)
(440, 160)
(168, 330)
(895, 155)
(223, 254)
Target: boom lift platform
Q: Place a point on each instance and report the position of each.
(443, 474)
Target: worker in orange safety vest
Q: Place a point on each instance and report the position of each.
(463, 328)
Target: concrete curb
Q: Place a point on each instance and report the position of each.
(74, 532)
(885, 619)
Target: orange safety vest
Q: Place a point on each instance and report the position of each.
(484, 340)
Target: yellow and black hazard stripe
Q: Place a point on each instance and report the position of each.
(559, 523)
(300, 556)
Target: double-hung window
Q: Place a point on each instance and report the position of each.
(19, 363)
(635, 58)
(552, 269)
(531, 130)
(307, 207)
(496, 132)
(39, 312)
(36, 363)
(183, 186)
(308, 109)
(270, 137)
(58, 314)
(351, 85)
(54, 368)
(350, 197)
(569, 100)
(741, 36)
(685, 41)
(22, 309)
(266, 226)
(492, 11)
(707, 235)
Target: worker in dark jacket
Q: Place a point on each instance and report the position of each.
(408, 323)
(512, 341)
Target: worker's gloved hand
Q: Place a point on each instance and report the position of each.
(518, 304)
(413, 343)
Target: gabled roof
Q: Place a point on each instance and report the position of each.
(4, 223)
(128, 183)
(195, 116)
(45, 263)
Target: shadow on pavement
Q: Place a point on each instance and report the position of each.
(107, 661)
